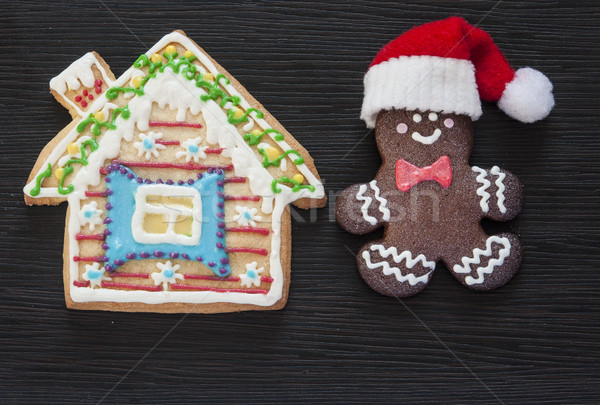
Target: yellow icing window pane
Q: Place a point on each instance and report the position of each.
(165, 200)
(155, 223)
(183, 226)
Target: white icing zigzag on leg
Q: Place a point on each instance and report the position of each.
(382, 201)
(360, 196)
(500, 185)
(405, 255)
(485, 183)
(476, 259)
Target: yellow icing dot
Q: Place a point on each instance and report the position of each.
(272, 153)
(58, 173)
(188, 54)
(137, 81)
(156, 58)
(298, 178)
(72, 148)
(256, 132)
(208, 77)
(99, 116)
(170, 49)
(238, 113)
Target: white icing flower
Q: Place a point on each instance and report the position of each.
(148, 144)
(192, 150)
(246, 216)
(94, 274)
(252, 275)
(90, 214)
(167, 274)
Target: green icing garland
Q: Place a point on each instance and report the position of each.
(214, 92)
(296, 186)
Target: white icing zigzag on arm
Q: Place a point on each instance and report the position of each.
(382, 201)
(405, 255)
(500, 193)
(485, 183)
(367, 203)
(476, 259)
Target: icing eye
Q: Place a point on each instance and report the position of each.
(448, 122)
(417, 118)
(402, 128)
(433, 116)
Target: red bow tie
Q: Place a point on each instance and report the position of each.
(409, 175)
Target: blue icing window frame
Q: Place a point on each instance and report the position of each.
(120, 246)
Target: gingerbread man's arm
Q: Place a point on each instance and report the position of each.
(361, 208)
(500, 193)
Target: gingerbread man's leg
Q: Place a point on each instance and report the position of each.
(393, 271)
(483, 262)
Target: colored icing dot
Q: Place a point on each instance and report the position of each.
(402, 128)
(98, 82)
(272, 153)
(58, 173)
(222, 270)
(94, 274)
(298, 178)
(168, 273)
(84, 103)
(448, 122)
(256, 132)
(85, 92)
(238, 113)
(158, 253)
(208, 77)
(148, 143)
(137, 81)
(98, 90)
(89, 214)
(78, 98)
(433, 116)
(247, 215)
(170, 49)
(251, 273)
(173, 255)
(72, 148)
(188, 54)
(156, 58)
(99, 116)
(417, 118)
(193, 149)
(90, 97)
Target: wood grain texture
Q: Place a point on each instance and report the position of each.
(533, 341)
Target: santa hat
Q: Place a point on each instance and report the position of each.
(447, 66)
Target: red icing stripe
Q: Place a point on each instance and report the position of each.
(95, 193)
(265, 279)
(262, 231)
(223, 290)
(140, 275)
(212, 278)
(257, 251)
(81, 236)
(242, 197)
(108, 284)
(173, 124)
(214, 151)
(78, 283)
(166, 143)
(99, 259)
(164, 165)
(235, 180)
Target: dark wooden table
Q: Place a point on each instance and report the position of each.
(533, 341)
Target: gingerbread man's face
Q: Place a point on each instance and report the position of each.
(422, 137)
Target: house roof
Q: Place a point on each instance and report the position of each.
(169, 84)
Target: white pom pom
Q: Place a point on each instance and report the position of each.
(528, 97)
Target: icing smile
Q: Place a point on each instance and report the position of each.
(427, 140)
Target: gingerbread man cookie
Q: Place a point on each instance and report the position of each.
(422, 93)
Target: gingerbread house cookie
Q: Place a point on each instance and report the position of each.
(178, 183)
